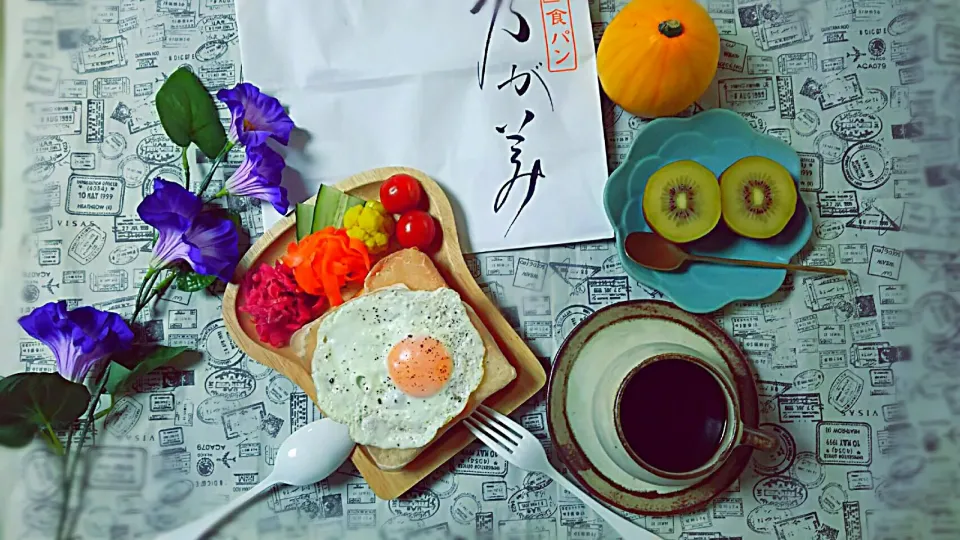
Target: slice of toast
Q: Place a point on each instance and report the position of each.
(414, 269)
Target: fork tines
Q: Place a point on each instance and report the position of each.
(480, 433)
(502, 420)
(486, 425)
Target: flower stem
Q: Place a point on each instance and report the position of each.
(186, 168)
(216, 163)
(150, 278)
(73, 464)
(155, 291)
(222, 193)
(143, 284)
(65, 480)
(69, 439)
(104, 412)
(46, 438)
(160, 288)
(52, 439)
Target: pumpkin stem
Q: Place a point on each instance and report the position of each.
(671, 28)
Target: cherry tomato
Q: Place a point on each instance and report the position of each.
(400, 192)
(416, 228)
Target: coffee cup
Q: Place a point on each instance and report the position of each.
(669, 416)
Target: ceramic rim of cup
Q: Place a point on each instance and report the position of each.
(724, 446)
(571, 451)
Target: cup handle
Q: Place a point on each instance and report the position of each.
(758, 439)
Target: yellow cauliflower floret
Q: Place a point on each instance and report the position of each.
(351, 215)
(370, 223)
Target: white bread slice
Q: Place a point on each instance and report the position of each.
(414, 269)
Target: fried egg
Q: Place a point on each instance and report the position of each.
(395, 365)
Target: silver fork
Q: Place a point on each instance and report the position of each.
(521, 448)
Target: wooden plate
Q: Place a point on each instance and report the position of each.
(449, 261)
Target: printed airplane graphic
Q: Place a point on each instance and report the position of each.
(51, 285)
(227, 460)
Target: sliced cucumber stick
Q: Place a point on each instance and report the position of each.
(304, 220)
(330, 206)
(328, 211)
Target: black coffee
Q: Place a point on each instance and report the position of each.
(672, 414)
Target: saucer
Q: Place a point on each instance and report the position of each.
(715, 139)
(598, 341)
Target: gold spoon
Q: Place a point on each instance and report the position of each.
(652, 251)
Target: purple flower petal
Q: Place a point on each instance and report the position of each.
(208, 243)
(170, 204)
(213, 249)
(259, 177)
(79, 338)
(170, 209)
(255, 116)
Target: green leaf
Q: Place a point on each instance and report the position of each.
(29, 400)
(117, 377)
(134, 355)
(188, 113)
(17, 435)
(192, 281)
(122, 381)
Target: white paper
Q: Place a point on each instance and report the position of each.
(380, 83)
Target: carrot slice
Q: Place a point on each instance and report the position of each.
(306, 279)
(325, 261)
(357, 245)
(332, 289)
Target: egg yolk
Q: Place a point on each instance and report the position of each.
(419, 366)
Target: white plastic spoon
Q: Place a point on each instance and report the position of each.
(309, 455)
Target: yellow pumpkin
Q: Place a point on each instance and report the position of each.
(656, 57)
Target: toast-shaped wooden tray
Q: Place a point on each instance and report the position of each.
(449, 261)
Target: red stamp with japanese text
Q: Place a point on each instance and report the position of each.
(558, 35)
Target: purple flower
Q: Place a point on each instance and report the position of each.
(259, 177)
(255, 116)
(206, 241)
(79, 338)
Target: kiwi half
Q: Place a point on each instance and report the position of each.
(681, 201)
(758, 197)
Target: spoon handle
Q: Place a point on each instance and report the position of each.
(196, 529)
(764, 264)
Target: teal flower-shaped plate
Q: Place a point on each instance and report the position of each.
(715, 139)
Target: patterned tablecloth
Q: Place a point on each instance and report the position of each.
(865, 90)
